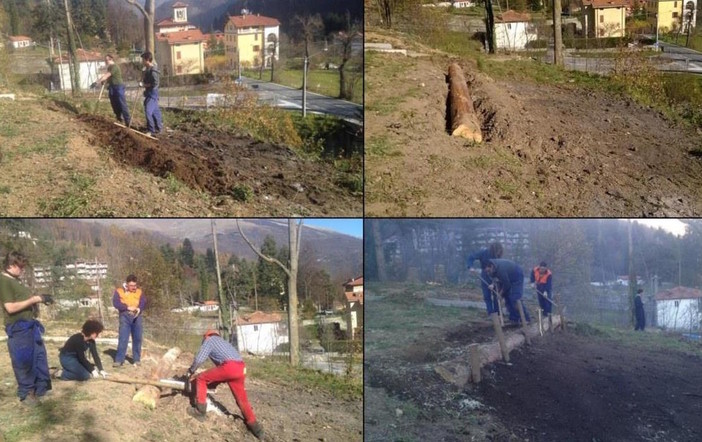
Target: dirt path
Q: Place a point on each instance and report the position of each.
(103, 411)
(55, 163)
(550, 150)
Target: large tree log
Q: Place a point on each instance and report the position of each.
(464, 121)
(458, 371)
(149, 394)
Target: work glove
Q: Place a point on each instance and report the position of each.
(47, 299)
(491, 286)
(141, 84)
(136, 312)
(95, 373)
(103, 373)
(94, 85)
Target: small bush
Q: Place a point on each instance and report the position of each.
(242, 192)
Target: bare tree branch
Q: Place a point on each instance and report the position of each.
(258, 252)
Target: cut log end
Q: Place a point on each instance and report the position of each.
(468, 133)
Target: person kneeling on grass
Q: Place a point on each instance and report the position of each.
(229, 368)
(76, 366)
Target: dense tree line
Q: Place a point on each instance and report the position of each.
(172, 276)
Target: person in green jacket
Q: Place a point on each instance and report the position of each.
(115, 90)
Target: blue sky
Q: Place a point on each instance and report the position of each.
(353, 226)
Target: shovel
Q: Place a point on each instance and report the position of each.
(97, 103)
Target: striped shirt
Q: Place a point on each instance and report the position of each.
(218, 350)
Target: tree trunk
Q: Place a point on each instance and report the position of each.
(150, 7)
(379, 256)
(74, 63)
(489, 27)
(223, 306)
(294, 232)
(557, 35)
(464, 121)
(149, 394)
(632, 277)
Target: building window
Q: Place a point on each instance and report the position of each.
(675, 15)
(509, 25)
(256, 48)
(255, 37)
(677, 304)
(675, 4)
(177, 55)
(255, 327)
(179, 69)
(601, 18)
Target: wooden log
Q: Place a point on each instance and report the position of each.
(464, 121)
(149, 394)
(457, 372)
(474, 357)
(560, 311)
(500, 336)
(522, 316)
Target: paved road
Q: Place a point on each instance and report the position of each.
(290, 98)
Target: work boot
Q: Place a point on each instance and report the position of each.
(30, 400)
(256, 429)
(195, 412)
(117, 365)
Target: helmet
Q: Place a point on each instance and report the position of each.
(209, 333)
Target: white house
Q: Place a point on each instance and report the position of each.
(353, 290)
(513, 30)
(21, 41)
(463, 4)
(177, 23)
(679, 308)
(90, 65)
(260, 333)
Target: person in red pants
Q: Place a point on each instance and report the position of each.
(229, 368)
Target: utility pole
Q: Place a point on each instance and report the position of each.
(490, 27)
(99, 291)
(304, 88)
(557, 35)
(223, 308)
(632, 275)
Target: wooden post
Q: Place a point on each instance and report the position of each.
(464, 121)
(149, 394)
(560, 310)
(557, 35)
(474, 355)
(500, 336)
(550, 323)
(541, 329)
(522, 316)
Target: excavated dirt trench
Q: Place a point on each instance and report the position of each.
(220, 163)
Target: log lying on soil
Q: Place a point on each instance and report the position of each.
(464, 121)
(458, 371)
(149, 394)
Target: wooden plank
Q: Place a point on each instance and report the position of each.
(522, 316)
(143, 134)
(500, 336)
(474, 357)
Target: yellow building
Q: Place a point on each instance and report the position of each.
(605, 18)
(180, 53)
(250, 40)
(674, 14)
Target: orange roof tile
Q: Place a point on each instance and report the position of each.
(601, 4)
(82, 55)
(510, 16)
(678, 293)
(179, 5)
(258, 317)
(191, 36)
(20, 38)
(243, 21)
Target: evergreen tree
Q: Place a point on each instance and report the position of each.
(187, 253)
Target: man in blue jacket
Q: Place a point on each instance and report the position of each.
(484, 256)
(508, 279)
(541, 280)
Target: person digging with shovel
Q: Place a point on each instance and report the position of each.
(510, 282)
(484, 256)
(115, 90)
(540, 279)
(229, 368)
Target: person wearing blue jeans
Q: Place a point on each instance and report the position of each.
(484, 256)
(508, 278)
(150, 82)
(76, 366)
(129, 302)
(24, 333)
(115, 90)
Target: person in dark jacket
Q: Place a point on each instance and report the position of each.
(508, 279)
(639, 311)
(541, 280)
(484, 256)
(24, 331)
(129, 302)
(76, 366)
(150, 82)
(230, 369)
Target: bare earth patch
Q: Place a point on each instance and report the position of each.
(550, 150)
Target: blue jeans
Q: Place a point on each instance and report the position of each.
(128, 325)
(28, 356)
(119, 103)
(73, 370)
(514, 296)
(154, 121)
(490, 300)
